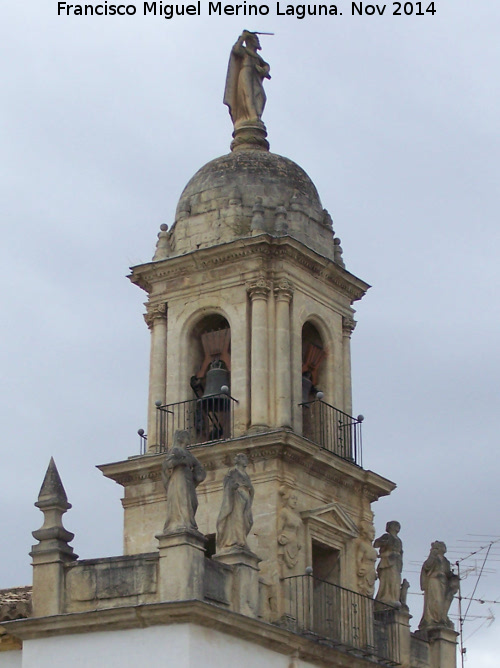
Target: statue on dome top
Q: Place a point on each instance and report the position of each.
(244, 93)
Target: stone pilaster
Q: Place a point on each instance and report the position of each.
(245, 589)
(53, 550)
(283, 294)
(259, 373)
(348, 326)
(156, 320)
(181, 571)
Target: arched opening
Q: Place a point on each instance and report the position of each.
(313, 362)
(313, 370)
(209, 359)
(210, 355)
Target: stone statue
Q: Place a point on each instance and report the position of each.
(235, 517)
(181, 475)
(366, 556)
(244, 93)
(390, 565)
(439, 584)
(289, 528)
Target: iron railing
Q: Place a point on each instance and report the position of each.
(207, 419)
(348, 620)
(333, 429)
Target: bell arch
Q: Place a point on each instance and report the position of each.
(208, 350)
(315, 358)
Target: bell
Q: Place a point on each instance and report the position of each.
(213, 407)
(216, 378)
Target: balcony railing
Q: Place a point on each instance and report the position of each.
(333, 430)
(348, 620)
(207, 419)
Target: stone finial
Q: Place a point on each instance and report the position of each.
(295, 202)
(390, 565)
(280, 225)
(235, 517)
(53, 502)
(439, 584)
(181, 475)
(337, 252)
(162, 245)
(403, 594)
(327, 220)
(257, 224)
(235, 198)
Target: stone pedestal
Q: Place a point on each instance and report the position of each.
(250, 135)
(48, 561)
(181, 566)
(245, 589)
(443, 647)
(402, 629)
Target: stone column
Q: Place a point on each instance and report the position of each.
(156, 320)
(53, 550)
(259, 374)
(283, 294)
(348, 325)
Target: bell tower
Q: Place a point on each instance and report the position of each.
(250, 312)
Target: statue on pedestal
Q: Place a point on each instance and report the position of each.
(244, 93)
(235, 517)
(181, 475)
(439, 584)
(390, 565)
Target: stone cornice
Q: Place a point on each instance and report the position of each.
(280, 444)
(146, 276)
(201, 613)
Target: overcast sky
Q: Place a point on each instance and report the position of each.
(395, 118)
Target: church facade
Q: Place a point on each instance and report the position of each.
(248, 522)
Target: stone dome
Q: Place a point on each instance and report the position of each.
(249, 192)
(255, 173)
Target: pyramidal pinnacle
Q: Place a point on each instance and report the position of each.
(52, 491)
